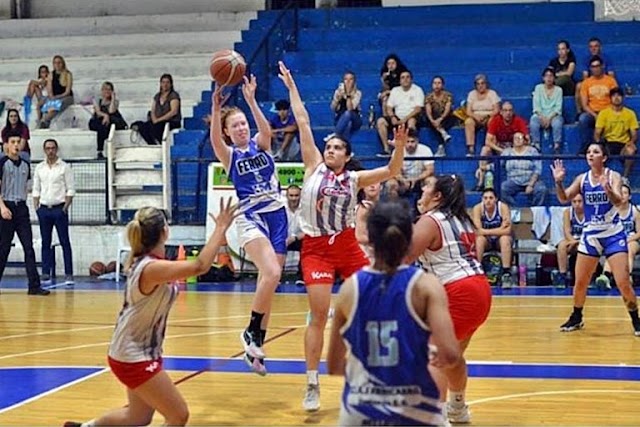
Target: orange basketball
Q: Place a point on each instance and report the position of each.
(111, 267)
(97, 269)
(227, 67)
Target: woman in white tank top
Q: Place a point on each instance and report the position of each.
(135, 353)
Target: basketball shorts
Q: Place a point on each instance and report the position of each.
(135, 374)
(272, 225)
(606, 242)
(323, 257)
(469, 304)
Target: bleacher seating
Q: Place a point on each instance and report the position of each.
(511, 43)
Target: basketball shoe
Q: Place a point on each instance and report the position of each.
(460, 415)
(573, 324)
(311, 401)
(252, 344)
(256, 364)
(636, 328)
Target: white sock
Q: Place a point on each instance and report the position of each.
(312, 377)
(91, 423)
(456, 399)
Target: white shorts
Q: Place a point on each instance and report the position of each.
(270, 225)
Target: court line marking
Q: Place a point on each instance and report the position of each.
(54, 390)
(547, 393)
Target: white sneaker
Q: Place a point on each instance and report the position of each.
(445, 136)
(256, 365)
(252, 345)
(459, 415)
(441, 152)
(311, 401)
(445, 417)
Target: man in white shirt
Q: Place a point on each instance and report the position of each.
(414, 172)
(53, 191)
(295, 235)
(404, 106)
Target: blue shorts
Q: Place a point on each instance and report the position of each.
(272, 225)
(603, 242)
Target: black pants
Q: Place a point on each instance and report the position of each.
(152, 132)
(95, 124)
(20, 223)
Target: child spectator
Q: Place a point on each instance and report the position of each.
(283, 132)
(37, 88)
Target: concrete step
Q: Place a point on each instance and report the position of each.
(76, 8)
(73, 143)
(118, 44)
(21, 70)
(109, 25)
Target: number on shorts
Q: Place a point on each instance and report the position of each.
(383, 348)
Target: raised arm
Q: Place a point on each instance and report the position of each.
(559, 173)
(264, 128)
(311, 156)
(222, 151)
(373, 176)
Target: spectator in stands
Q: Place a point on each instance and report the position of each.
(618, 126)
(482, 104)
(572, 223)
(564, 65)
(165, 108)
(14, 176)
(105, 114)
(59, 90)
(53, 191)
(523, 175)
(492, 220)
(392, 68)
(402, 108)
(595, 49)
(437, 107)
(595, 97)
(37, 88)
(294, 238)
(547, 111)
(411, 179)
(346, 106)
(283, 132)
(501, 132)
(13, 125)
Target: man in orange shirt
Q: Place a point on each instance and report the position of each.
(594, 93)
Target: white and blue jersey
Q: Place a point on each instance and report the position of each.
(253, 173)
(488, 222)
(628, 221)
(386, 379)
(602, 233)
(575, 223)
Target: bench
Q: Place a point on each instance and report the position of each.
(21, 264)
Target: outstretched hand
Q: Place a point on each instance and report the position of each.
(216, 97)
(226, 215)
(558, 170)
(400, 136)
(249, 87)
(285, 75)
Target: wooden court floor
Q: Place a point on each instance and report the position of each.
(524, 372)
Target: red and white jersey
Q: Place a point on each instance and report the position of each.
(456, 258)
(327, 202)
(142, 322)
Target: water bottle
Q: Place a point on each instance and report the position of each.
(488, 179)
(539, 272)
(372, 116)
(522, 275)
(74, 122)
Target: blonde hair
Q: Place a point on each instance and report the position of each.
(65, 75)
(224, 116)
(144, 232)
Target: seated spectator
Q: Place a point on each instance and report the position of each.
(346, 106)
(437, 107)
(367, 199)
(595, 49)
(165, 108)
(595, 97)
(390, 72)
(403, 108)
(283, 132)
(492, 220)
(523, 175)
(105, 114)
(411, 179)
(547, 111)
(37, 88)
(618, 126)
(501, 132)
(14, 124)
(482, 104)
(295, 234)
(59, 90)
(564, 65)
(572, 224)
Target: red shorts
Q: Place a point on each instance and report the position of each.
(469, 304)
(135, 374)
(324, 256)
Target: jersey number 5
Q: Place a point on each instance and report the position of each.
(383, 347)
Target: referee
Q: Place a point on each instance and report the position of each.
(14, 175)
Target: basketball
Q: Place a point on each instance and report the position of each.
(227, 67)
(97, 269)
(111, 267)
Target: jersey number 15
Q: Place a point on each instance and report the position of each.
(383, 347)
